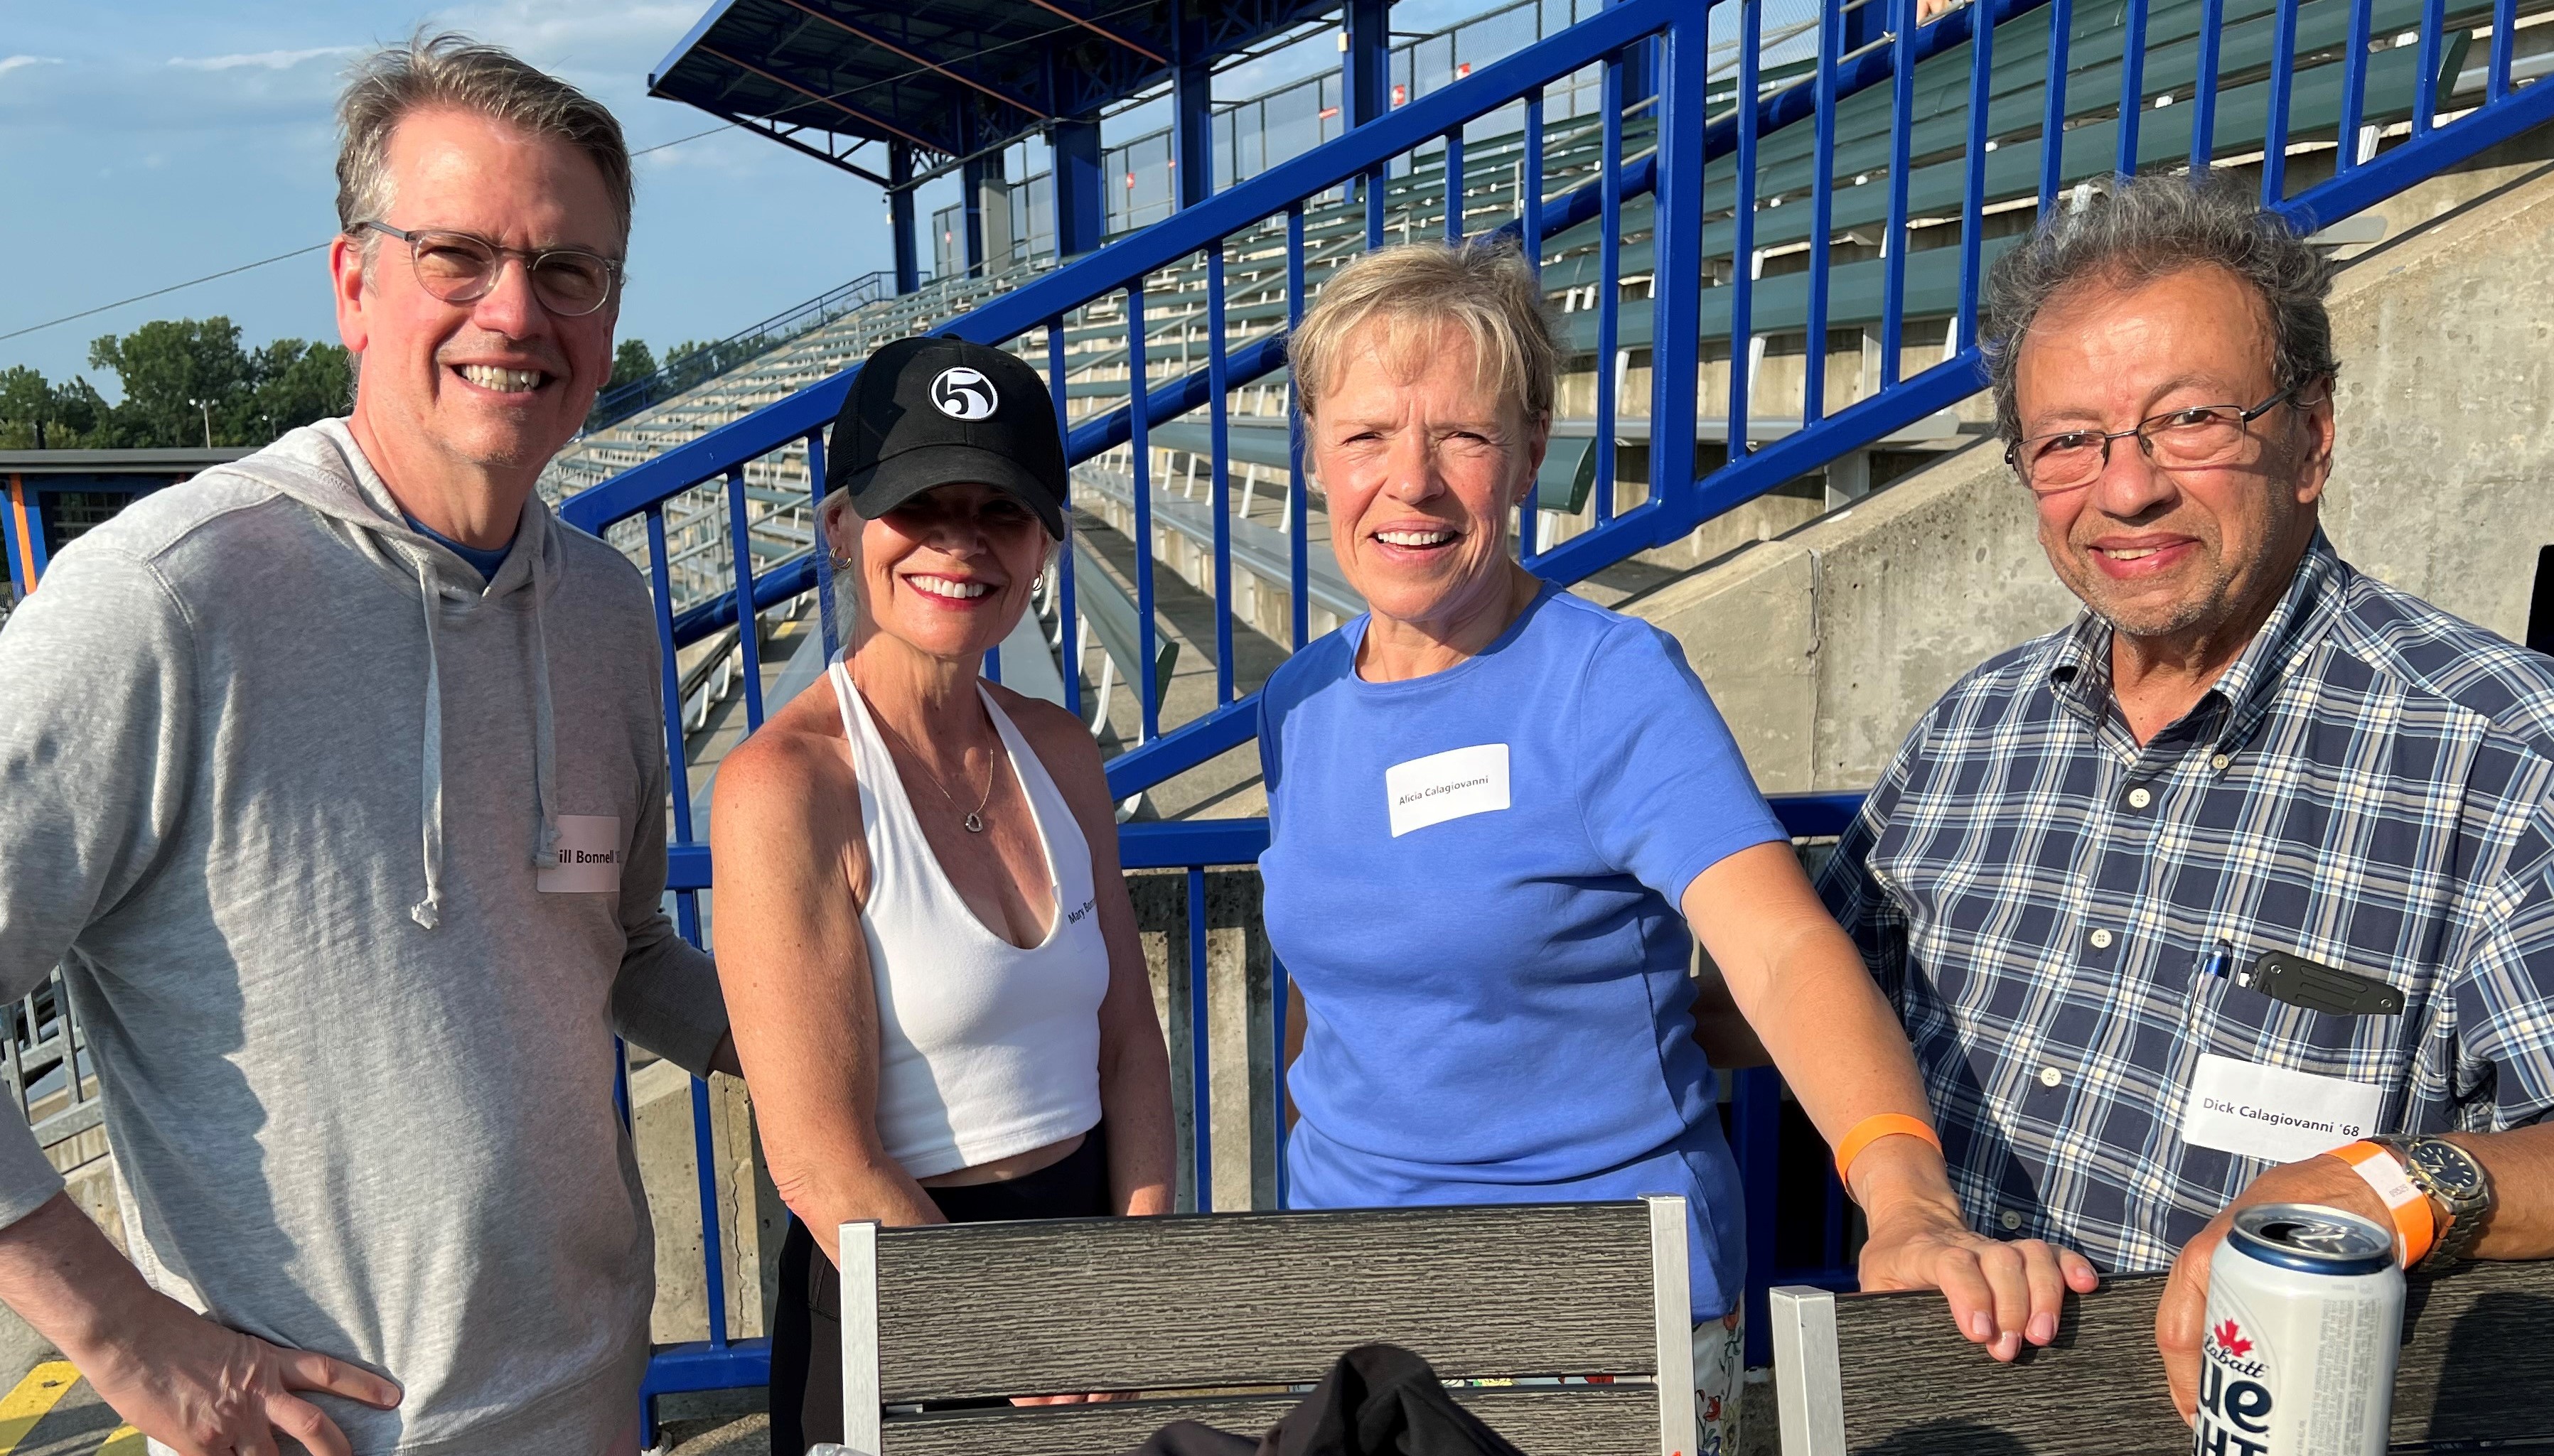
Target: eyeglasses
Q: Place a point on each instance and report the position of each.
(2192, 438)
(460, 267)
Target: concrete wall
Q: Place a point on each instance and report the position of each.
(2445, 403)
(1824, 646)
(752, 1217)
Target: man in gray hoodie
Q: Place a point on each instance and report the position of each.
(336, 779)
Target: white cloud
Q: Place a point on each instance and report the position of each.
(270, 60)
(9, 64)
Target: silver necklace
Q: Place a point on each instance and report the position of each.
(975, 820)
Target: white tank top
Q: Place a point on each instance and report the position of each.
(986, 1050)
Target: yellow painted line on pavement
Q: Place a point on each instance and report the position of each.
(124, 1440)
(43, 1388)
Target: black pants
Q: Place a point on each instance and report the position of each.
(807, 1328)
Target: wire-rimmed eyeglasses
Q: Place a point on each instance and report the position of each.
(2194, 437)
(460, 267)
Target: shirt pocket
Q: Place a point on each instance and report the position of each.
(2246, 1023)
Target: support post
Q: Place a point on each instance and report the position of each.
(989, 215)
(1192, 130)
(1640, 68)
(1365, 84)
(899, 215)
(1808, 1384)
(1081, 193)
(1366, 68)
(1848, 479)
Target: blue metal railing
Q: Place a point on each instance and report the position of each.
(2077, 94)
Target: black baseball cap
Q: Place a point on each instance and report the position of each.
(942, 412)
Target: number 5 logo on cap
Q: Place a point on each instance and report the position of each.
(965, 393)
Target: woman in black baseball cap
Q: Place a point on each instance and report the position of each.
(930, 958)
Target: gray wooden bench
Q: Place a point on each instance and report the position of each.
(1215, 1317)
(1888, 1373)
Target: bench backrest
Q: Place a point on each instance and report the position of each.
(1215, 1317)
(1888, 1373)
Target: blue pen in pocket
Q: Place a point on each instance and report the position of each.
(2219, 959)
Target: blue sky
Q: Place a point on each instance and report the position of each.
(143, 143)
(147, 141)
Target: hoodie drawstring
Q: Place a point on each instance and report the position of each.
(429, 911)
(545, 738)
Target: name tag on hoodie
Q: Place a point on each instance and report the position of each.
(590, 855)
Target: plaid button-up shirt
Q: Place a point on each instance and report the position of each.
(2039, 894)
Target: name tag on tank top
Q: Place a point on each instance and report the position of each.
(590, 855)
(1448, 785)
(2256, 1111)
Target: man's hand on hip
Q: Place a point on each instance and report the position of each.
(206, 1390)
(2183, 1312)
(176, 1376)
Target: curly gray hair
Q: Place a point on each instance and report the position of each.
(2129, 230)
(452, 71)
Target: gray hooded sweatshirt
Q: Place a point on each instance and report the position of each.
(278, 781)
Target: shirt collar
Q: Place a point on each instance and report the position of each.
(2079, 672)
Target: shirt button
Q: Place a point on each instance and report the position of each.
(2010, 1219)
(2101, 939)
(2139, 798)
(2220, 762)
(2051, 1077)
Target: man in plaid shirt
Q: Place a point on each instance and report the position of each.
(2068, 879)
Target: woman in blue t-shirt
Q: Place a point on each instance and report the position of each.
(1495, 809)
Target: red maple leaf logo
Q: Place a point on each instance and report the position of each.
(2231, 1340)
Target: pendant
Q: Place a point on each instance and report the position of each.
(974, 825)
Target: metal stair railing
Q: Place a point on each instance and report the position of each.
(1724, 190)
(696, 523)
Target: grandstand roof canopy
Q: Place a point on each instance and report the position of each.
(950, 77)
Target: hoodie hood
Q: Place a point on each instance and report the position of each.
(322, 467)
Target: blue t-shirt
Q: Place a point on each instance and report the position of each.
(1474, 877)
(482, 561)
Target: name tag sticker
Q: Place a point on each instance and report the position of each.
(1448, 785)
(590, 854)
(2255, 1111)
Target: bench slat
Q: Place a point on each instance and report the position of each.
(1542, 1420)
(974, 1310)
(2476, 1364)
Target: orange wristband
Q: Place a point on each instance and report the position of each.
(1871, 1130)
(2415, 1230)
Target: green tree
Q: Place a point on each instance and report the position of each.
(296, 385)
(38, 415)
(183, 380)
(632, 360)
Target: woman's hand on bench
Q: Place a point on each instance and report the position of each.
(2001, 1292)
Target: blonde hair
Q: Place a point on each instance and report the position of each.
(1411, 295)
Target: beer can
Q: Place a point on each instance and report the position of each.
(2305, 1309)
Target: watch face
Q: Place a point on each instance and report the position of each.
(2448, 1166)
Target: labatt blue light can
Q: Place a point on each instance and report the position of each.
(2305, 1308)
